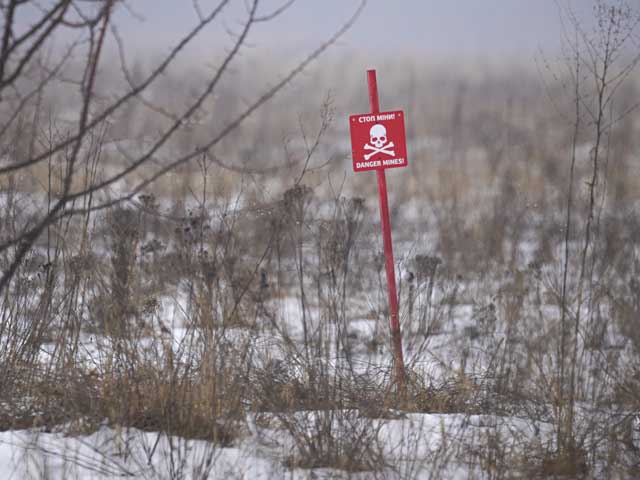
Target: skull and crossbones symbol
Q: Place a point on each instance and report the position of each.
(378, 139)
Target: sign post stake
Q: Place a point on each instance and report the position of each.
(396, 335)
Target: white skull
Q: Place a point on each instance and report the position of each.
(378, 135)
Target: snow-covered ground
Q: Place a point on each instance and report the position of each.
(415, 445)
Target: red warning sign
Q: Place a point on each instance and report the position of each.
(378, 141)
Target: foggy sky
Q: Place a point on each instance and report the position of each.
(423, 27)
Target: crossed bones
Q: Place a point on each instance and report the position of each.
(383, 149)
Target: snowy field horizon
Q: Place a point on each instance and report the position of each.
(192, 276)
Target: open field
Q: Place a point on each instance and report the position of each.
(212, 303)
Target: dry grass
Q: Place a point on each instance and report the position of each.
(230, 248)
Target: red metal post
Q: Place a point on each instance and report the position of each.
(396, 335)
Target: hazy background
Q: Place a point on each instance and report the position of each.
(192, 267)
(515, 28)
